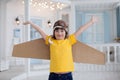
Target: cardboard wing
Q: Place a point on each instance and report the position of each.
(38, 49)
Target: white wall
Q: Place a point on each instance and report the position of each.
(2, 29)
(16, 8)
(3, 45)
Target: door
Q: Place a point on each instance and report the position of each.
(95, 33)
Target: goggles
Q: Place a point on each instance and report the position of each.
(60, 27)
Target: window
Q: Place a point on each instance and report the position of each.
(33, 33)
(95, 33)
(17, 36)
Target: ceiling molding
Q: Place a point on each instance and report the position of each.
(94, 1)
(95, 4)
(63, 1)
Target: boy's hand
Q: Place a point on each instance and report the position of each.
(27, 22)
(94, 19)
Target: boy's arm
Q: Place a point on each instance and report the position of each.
(43, 34)
(84, 27)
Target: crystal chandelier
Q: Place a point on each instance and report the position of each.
(46, 4)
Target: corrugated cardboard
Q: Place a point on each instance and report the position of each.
(37, 49)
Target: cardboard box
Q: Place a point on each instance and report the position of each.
(39, 50)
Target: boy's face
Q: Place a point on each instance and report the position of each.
(60, 34)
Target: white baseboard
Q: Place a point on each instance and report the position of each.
(31, 74)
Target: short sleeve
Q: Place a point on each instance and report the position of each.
(47, 40)
(72, 39)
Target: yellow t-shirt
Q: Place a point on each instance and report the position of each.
(61, 59)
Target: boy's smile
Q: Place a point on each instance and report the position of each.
(60, 34)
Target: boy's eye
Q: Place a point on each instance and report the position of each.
(59, 30)
(62, 30)
(56, 30)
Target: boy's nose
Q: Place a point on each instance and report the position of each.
(59, 32)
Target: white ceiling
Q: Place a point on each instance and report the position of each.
(88, 4)
(92, 4)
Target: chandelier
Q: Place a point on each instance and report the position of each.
(46, 4)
